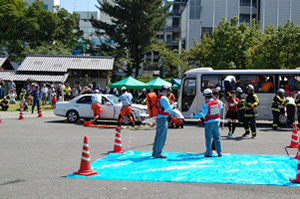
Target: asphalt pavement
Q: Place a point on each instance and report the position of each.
(36, 154)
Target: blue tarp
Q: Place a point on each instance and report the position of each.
(195, 168)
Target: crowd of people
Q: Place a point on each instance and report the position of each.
(36, 94)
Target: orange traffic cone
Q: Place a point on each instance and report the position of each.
(297, 179)
(40, 112)
(85, 165)
(118, 142)
(21, 114)
(294, 138)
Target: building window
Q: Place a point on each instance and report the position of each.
(45, 7)
(207, 31)
(245, 18)
(247, 3)
(195, 9)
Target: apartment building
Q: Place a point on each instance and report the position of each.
(48, 4)
(202, 16)
(86, 26)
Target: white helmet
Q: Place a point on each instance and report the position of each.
(298, 94)
(207, 92)
(281, 91)
(123, 88)
(239, 89)
(218, 88)
(166, 87)
(251, 87)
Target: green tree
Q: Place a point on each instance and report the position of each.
(280, 48)
(230, 46)
(170, 60)
(133, 24)
(30, 26)
(50, 49)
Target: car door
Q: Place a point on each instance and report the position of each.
(84, 107)
(107, 109)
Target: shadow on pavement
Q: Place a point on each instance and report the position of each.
(279, 130)
(80, 122)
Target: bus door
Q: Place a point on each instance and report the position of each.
(188, 102)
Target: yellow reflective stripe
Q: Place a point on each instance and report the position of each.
(251, 115)
(275, 109)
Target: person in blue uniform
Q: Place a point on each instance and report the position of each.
(164, 109)
(210, 111)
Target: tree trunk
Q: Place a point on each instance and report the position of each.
(137, 63)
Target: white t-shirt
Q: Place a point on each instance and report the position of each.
(230, 78)
(44, 90)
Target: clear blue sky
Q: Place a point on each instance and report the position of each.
(81, 5)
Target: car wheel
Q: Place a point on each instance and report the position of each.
(72, 116)
(282, 119)
(126, 120)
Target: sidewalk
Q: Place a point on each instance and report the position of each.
(16, 114)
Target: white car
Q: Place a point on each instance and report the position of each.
(81, 108)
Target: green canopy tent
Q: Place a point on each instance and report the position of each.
(157, 83)
(129, 83)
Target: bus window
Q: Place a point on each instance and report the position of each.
(261, 83)
(210, 81)
(290, 83)
(188, 93)
(266, 84)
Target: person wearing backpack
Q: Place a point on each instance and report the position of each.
(164, 109)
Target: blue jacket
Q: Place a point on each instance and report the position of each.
(36, 94)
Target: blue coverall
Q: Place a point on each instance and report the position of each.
(36, 99)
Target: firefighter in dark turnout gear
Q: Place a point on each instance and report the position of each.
(250, 112)
(241, 105)
(278, 100)
(297, 101)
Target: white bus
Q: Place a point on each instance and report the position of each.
(196, 80)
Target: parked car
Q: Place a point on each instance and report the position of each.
(80, 108)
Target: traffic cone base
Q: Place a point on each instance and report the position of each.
(294, 139)
(85, 165)
(294, 180)
(86, 172)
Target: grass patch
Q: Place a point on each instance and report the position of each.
(16, 107)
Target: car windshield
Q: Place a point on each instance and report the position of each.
(113, 98)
